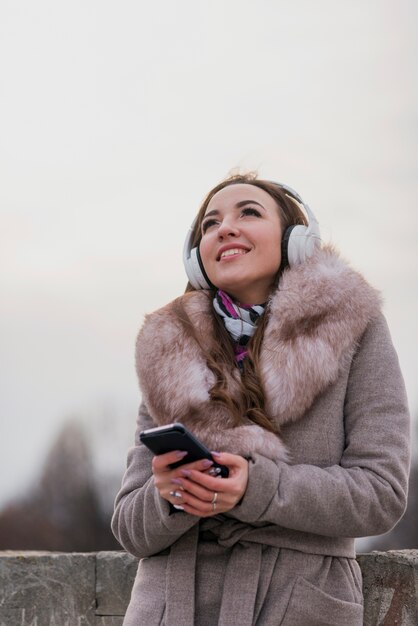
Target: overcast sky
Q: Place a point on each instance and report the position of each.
(117, 117)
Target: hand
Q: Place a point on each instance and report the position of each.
(167, 480)
(198, 489)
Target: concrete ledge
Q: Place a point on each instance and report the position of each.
(55, 589)
(93, 589)
(390, 587)
(115, 574)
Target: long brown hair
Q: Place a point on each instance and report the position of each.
(221, 357)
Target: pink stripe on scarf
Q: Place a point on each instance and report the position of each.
(227, 302)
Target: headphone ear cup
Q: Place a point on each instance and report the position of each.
(301, 245)
(298, 245)
(193, 263)
(195, 270)
(299, 242)
(285, 246)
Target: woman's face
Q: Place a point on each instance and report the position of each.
(240, 246)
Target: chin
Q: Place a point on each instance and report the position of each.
(234, 281)
(231, 288)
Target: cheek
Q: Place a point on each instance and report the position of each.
(205, 250)
(273, 256)
(276, 254)
(275, 240)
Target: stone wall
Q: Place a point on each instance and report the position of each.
(93, 589)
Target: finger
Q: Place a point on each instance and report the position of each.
(226, 458)
(233, 488)
(176, 496)
(191, 510)
(226, 499)
(162, 461)
(205, 480)
(200, 510)
(193, 488)
(196, 512)
(204, 506)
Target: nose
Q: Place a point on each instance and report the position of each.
(228, 228)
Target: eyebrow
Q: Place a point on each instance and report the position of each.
(238, 205)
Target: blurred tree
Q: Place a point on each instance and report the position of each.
(62, 513)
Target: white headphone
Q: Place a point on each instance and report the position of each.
(298, 243)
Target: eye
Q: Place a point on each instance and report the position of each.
(207, 224)
(251, 211)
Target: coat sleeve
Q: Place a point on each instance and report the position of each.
(366, 493)
(142, 521)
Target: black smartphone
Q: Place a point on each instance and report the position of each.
(175, 436)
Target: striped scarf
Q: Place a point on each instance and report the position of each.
(239, 321)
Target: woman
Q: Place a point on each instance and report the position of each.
(279, 359)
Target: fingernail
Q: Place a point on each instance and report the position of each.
(214, 471)
(180, 454)
(184, 472)
(176, 481)
(215, 453)
(207, 463)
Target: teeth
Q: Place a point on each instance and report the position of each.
(233, 251)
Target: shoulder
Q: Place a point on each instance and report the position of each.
(318, 316)
(376, 355)
(325, 292)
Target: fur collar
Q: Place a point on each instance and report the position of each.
(317, 315)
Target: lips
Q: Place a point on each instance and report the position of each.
(231, 251)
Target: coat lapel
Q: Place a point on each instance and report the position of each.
(317, 316)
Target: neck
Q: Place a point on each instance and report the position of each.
(246, 304)
(251, 296)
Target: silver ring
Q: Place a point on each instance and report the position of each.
(215, 497)
(175, 494)
(214, 506)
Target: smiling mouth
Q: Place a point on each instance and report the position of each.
(232, 252)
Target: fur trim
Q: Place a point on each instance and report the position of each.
(317, 316)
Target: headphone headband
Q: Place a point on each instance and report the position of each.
(298, 244)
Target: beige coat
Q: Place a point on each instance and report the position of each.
(285, 555)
